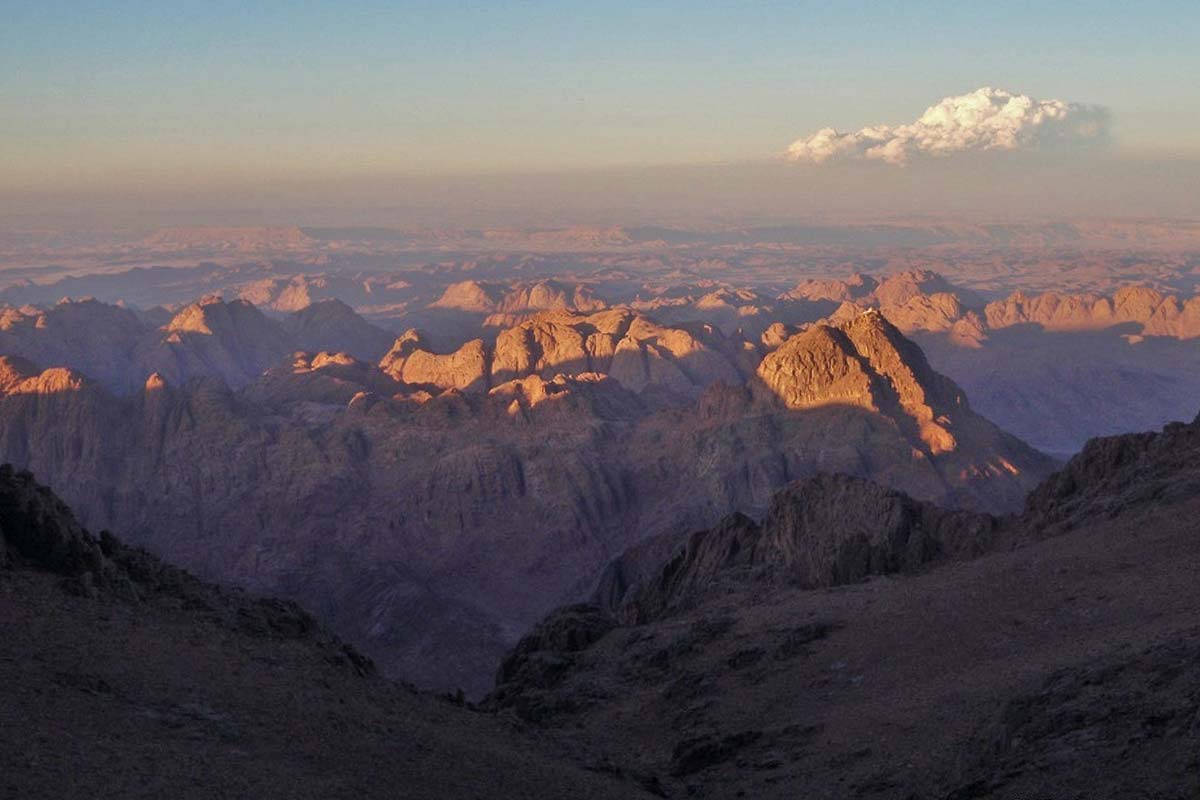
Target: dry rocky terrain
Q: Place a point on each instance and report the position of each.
(121, 676)
(857, 642)
(822, 653)
(430, 446)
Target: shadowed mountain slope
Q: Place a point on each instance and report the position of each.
(859, 643)
(121, 676)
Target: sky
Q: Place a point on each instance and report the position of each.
(184, 103)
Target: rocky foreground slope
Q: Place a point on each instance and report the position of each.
(859, 643)
(121, 676)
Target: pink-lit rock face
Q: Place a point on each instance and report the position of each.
(18, 376)
(865, 362)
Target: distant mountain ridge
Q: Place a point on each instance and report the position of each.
(240, 238)
(231, 341)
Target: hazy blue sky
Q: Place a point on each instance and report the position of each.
(130, 93)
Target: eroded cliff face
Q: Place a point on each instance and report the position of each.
(1153, 312)
(626, 346)
(921, 300)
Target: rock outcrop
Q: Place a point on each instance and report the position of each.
(866, 362)
(1117, 475)
(631, 349)
(823, 531)
(38, 529)
(830, 530)
(233, 341)
(332, 326)
(410, 362)
(470, 296)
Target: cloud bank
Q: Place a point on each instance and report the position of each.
(985, 119)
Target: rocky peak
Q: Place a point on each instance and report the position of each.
(155, 383)
(776, 334)
(466, 368)
(232, 341)
(334, 325)
(325, 311)
(1136, 302)
(403, 347)
(211, 315)
(923, 395)
(822, 531)
(835, 529)
(469, 296)
(901, 287)
(548, 295)
(817, 367)
(14, 370)
(864, 362)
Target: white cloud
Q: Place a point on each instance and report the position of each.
(985, 119)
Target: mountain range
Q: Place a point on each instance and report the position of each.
(430, 493)
(432, 505)
(1027, 334)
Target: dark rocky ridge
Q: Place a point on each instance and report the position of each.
(1118, 474)
(823, 531)
(835, 529)
(39, 531)
(122, 676)
(1055, 653)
